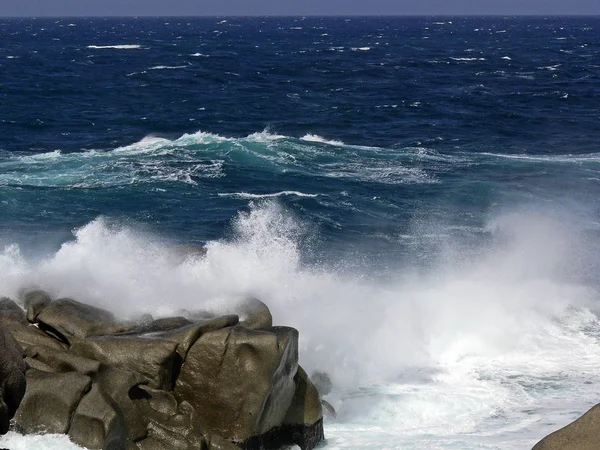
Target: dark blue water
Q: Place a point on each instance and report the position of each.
(442, 120)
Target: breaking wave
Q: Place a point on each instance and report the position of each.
(492, 342)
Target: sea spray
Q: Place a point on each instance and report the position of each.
(463, 345)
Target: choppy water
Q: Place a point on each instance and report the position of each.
(419, 197)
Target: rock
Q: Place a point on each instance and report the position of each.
(158, 401)
(12, 377)
(159, 325)
(11, 312)
(322, 382)
(62, 361)
(239, 381)
(180, 431)
(50, 401)
(98, 423)
(186, 336)
(69, 318)
(306, 404)
(218, 443)
(125, 390)
(31, 335)
(303, 423)
(328, 410)
(35, 302)
(582, 434)
(153, 358)
(255, 315)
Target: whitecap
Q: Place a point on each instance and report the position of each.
(316, 138)
(467, 59)
(246, 195)
(120, 47)
(166, 67)
(264, 136)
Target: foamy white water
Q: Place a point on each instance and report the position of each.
(492, 351)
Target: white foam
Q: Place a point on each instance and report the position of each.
(379, 171)
(361, 49)
(467, 59)
(16, 441)
(198, 54)
(557, 159)
(246, 195)
(316, 138)
(120, 47)
(265, 136)
(166, 67)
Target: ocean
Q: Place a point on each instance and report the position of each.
(417, 196)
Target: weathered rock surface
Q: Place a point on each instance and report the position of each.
(582, 434)
(28, 335)
(240, 381)
(303, 423)
(153, 358)
(50, 401)
(70, 319)
(12, 377)
(178, 383)
(187, 335)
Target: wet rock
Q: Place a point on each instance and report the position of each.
(124, 388)
(218, 443)
(159, 325)
(239, 381)
(30, 335)
(35, 302)
(50, 401)
(71, 319)
(12, 377)
(161, 402)
(186, 336)
(62, 361)
(303, 423)
(178, 431)
(153, 358)
(255, 315)
(582, 434)
(97, 423)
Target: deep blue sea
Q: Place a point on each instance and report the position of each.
(418, 196)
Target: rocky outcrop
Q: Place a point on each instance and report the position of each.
(12, 377)
(582, 434)
(189, 382)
